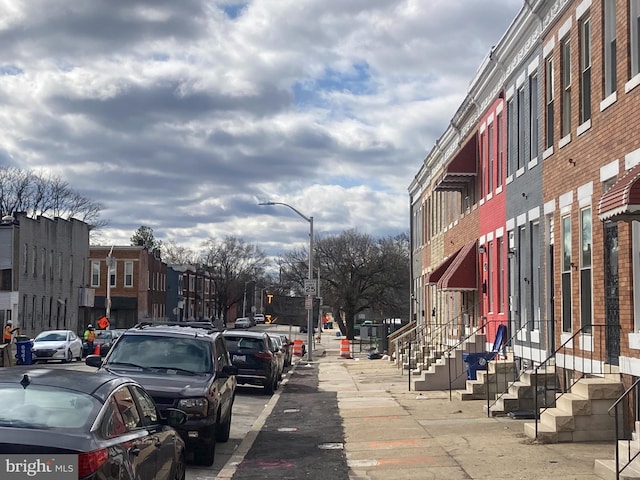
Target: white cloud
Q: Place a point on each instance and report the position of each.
(179, 117)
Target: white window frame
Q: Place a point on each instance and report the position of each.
(128, 274)
(95, 273)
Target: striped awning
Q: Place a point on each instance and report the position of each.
(622, 201)
(440, 270)
(462, 274)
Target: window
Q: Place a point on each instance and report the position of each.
(95, 273)
(512, 135)
(128, 274)
(609, 42)
(35, 261)
(112, 273)
(500, 151)
(566, 274)
(585, 70)
(490, 276)
(634, 27)
(127, 408)
(521, 128)
(51, 264)
(536, 276)
(25, 259)
(483, 164)
(490, 157)
(549, 89)
(33, 312)
(586, 311)
(533, 116)
(501, 274)
(112, 422)
(565, 125)
(59, 265)
(147, 407)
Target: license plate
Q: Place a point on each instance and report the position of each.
(239, 358)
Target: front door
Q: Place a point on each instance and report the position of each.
(612, 303)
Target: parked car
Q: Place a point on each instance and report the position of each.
(110, 423)
(259, 319)
(63, 345)
(276, 344)
(252, 353)
(287, 346)
(104, 339)
(242, 322)
(181, 367)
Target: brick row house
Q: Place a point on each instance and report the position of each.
(526, 212)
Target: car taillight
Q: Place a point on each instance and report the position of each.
(89, 462)
(263, 355)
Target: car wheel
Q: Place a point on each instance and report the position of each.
(181, 469)
(206, 453)
(223, 430)
(271, 387)
(69, 357)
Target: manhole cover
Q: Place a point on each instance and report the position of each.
(331, 446)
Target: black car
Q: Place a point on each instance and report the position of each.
(255, 357)
(181, 367)
(109, 424)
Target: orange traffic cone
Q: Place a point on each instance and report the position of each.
(96, 351)
(345, 348)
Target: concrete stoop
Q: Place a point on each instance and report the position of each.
(606, 469)
(499, 374)
(437, 376)
(580, 415)
(519, 396)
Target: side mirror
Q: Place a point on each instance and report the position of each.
(93, 361)
(175, 417)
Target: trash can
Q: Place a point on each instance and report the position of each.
(477, 361)
(24, 353)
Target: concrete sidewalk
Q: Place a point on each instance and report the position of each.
(389, 432)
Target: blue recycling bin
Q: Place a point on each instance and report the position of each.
(24, 354)
(477, 361)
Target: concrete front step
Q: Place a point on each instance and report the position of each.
(580, 415)
(606, 469)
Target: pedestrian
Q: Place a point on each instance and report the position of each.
(89, 338)
(8, 332)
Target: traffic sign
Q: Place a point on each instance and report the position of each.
(308, 303)
(309, 287)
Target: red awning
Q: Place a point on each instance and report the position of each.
(622, 200)
(435, 276)
(462, 274)
(462, 168)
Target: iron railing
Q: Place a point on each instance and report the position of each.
(626, 411)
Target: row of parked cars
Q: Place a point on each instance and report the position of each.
(163, 395)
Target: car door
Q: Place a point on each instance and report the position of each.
(142, 450)
(164, 438)
(226, 384)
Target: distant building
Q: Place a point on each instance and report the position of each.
(43, 273)
(137, 285)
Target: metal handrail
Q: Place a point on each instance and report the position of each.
(627, 437)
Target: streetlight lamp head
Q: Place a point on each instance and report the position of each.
(266, 203)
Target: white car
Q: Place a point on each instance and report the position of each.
(259, 318)
(62, 345)
(242, 322)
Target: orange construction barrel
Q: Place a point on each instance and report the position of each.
(345, 348)
(297, 347)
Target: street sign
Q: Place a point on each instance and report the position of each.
(308, 303)
(309, 287)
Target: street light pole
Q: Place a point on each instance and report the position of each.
(309, 302)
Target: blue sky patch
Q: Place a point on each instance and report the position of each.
(234, 10)
(356, 81)
(10, 70)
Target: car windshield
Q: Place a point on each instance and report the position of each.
(156, 352)
(103, 334)
(51, 337)
(46, 407)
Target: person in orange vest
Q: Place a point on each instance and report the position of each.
(89, 337)
(8, 332)
(103, 323)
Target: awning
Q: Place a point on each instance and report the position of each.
(462, 168)
(436, 275)
(622, 200)
(462, 274)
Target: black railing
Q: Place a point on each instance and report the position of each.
(625, 421)
(573, 359)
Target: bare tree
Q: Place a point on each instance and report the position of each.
(358, 274)
(178, 254)
(40, 194)
(232, 264)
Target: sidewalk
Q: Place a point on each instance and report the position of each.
(373, 428)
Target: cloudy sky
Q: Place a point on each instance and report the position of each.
(183, 115)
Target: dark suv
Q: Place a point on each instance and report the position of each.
(181, 367)
(255, 357)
